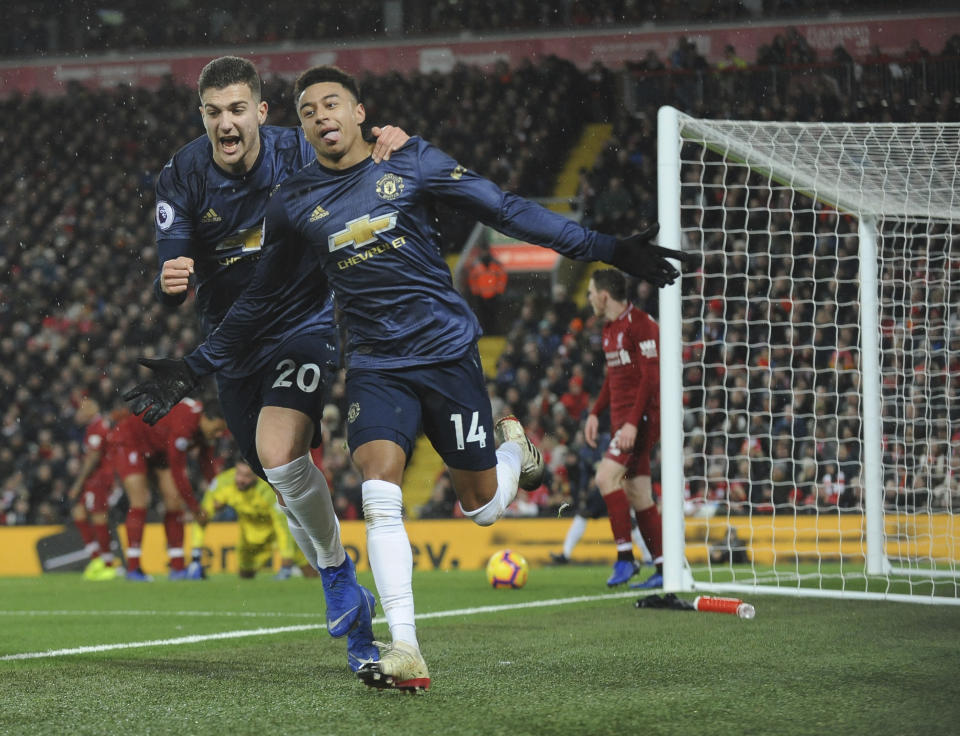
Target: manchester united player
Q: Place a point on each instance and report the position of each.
(367, 231)
(631, 389)
(162, 449)
(211, 198)
(91, 490)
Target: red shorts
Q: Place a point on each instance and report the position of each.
(97, 489)
(637, 461)
(131, 460)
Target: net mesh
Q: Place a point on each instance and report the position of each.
(772, 353)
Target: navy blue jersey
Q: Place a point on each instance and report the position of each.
(216, 219)
(366, 233)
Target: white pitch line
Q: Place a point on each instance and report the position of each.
(195, 639)
(217, 614)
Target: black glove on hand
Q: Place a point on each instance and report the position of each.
(639, 257)
(172, 381)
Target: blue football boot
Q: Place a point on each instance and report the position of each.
(350, 609)
(180, 574)
(139, 576)
(360, 647)
(623, 570)
(652, 582)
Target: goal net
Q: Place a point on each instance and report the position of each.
(811, 358)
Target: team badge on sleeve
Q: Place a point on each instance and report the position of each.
(164, 215)
(390, 186)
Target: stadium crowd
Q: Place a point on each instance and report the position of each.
(51, 27)
(77, 262)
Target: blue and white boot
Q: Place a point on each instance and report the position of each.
(350, 609)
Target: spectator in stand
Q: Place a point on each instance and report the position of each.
(487, 282)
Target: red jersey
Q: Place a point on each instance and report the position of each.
(99, 437)
(168, 441)
(631, 387)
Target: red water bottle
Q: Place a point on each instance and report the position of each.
(724, 605)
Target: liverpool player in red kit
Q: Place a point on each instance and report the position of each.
(163, 448)
(92, 487)
(631, 389)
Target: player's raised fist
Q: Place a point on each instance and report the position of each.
(389, 139)
(175, 275)
(639, 257)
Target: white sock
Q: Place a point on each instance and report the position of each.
(574, 534)
(509, 457)
(301, 537)
(306, 494)
(391, 558)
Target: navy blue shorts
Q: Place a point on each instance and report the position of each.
(296, 378)
(448, 401)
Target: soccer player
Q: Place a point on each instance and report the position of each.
(262, 525)
(92, 488)
(631, 389)
(210, 202)
(161, 450)
(366, 232)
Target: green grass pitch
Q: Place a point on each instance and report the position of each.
(589, 663)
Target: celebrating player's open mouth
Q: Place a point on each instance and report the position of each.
(230, 144)
(330, 135)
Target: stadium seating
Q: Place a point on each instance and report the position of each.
(77, 258)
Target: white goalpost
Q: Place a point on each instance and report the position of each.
(810, 361)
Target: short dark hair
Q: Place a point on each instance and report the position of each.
(226, 70)
(612, 281)
(319, 74)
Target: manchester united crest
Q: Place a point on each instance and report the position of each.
(353, 412)
(390, 186)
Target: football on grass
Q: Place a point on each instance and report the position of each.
(507, 569)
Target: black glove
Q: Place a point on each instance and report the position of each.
(639, 257)
(172, 381)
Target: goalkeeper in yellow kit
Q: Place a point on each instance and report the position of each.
(263, 526)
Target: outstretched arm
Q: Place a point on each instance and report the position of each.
(525, 220)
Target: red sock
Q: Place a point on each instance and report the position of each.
(86, 534)
(173, 525)
(618, 509)
(136, 518)
(651, 529)
(102, 533)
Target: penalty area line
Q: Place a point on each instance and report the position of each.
(197, 638)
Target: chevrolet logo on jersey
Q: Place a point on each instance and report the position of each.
(362, 231)
(247, 240)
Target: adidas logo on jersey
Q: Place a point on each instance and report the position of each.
(318, 214)
(211, 216)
